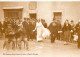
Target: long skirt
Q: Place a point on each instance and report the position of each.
(46, 33)
(53, 36)
(67, 36)
(39, 35)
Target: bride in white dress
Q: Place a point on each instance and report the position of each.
(42, 32)
(39, 30)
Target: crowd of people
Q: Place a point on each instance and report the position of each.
(17, 31)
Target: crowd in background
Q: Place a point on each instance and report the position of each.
(16, 31)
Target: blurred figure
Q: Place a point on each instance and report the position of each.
(66, 30)
(9, 35)
(21, 36)
(44, 23)
(77, 27)
(26, 27)
(1, 28)
(59, 29)
(32, 27)
(72, 30)
(5, 24)
(39, 30)
(53, 30)
(18, 34)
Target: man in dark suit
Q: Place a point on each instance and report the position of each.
(59, 29)
(53, 30)
(31, 28)
(26, 27)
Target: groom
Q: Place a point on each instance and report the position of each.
(53, 30)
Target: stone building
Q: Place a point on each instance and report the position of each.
(41, 9)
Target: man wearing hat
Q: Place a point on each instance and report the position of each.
(53, 30)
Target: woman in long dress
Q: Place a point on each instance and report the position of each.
(42, 32)
(39, 30)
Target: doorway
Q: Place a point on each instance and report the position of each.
(33, 15)
(57, 16)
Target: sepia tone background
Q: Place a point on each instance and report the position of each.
(38, 9)
(45, 10)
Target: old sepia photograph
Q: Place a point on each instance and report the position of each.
(39, 28)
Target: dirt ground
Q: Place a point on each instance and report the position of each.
(43, 49)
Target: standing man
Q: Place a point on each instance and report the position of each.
(77, 27)
(59, 29)
(26, 27)
(72, 30)
(53, 30)
(33, 26)
(31, 29)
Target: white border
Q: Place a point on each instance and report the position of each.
(39, 0)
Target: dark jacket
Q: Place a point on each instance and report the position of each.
(77, 27)
(5, 24)
(66, 28)
(59, 26)
(45, 24)
(53, 29)
(26, 27)
(9, 33)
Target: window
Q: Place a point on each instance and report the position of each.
(57, 16)
(13, 13)
(33, 15)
